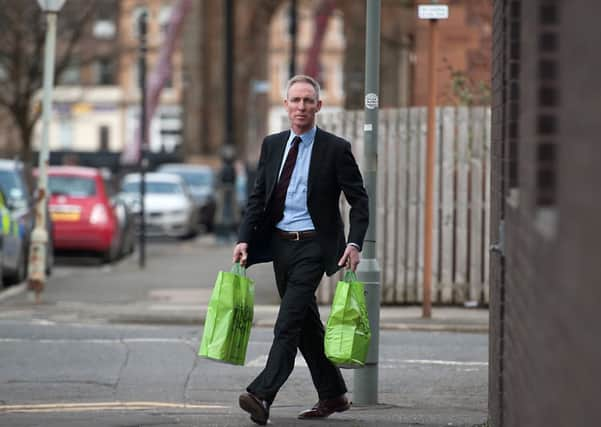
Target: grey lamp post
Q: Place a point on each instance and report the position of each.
(39, 236)
(365, 391)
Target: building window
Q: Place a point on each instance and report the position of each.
(170, 129)
(104, 26)
(71, 74)
(512, 91)
(65, 132)
(548, 100)
(103, 138)
(104, 72)
(104, 29)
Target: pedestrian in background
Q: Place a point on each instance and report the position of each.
(293, 219)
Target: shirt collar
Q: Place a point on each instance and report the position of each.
(305, 137)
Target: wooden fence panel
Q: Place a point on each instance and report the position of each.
(382, 197)
(461, 206)
(446, 208)
(390, 142)
(413, 208)
(402, 205)
(487, 177)
(436, 230)
(476, 146)
(461, 202)
(421, 200)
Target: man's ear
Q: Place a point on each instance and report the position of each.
(318, 106)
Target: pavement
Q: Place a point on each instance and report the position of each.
(174, 287)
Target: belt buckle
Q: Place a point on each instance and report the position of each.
(297, 235)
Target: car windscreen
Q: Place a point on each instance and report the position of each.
(72, 186)
(153, 187)
(197, 179)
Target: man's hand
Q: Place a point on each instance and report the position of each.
(350, 258)
(240, 253)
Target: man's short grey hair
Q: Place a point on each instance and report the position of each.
(301, 78)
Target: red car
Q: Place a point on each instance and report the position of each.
(81, 211)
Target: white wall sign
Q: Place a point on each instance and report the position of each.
(433, 11)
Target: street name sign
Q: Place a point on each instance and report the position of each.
(433, 11)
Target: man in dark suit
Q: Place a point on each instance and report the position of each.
(293, 219)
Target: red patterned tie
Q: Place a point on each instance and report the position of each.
(279, 194)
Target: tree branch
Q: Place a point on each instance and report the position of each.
(78, 27)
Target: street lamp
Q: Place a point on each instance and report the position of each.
(39, 236)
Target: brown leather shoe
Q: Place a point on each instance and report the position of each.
(325, 408)
(257, 408)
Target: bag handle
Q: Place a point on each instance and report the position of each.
(350, 276)
(239, 269)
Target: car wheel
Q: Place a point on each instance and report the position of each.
(19, 275)
(112, 253)
(2, 282)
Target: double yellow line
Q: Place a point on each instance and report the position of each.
(103, 406)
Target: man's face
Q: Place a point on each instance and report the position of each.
(302, 105)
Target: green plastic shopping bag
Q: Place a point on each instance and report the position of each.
(229, 317)
(347, 331)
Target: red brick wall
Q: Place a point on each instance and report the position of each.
(545, 314)
(464, 45)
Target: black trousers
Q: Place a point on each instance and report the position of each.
(298, 267)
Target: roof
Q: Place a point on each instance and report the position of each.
(74, 170)
(153, 176)
(188, 167)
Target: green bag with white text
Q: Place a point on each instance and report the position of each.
(229, 317)
(347, 331)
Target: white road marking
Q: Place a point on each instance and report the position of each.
(258, 362)
(443, 362)
(386, 363)
(103, 406)
(98, 340)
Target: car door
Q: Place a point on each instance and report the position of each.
(12, 253)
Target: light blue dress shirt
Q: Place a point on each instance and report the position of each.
(296, 214)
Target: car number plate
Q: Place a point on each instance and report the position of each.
(65, 216)
(65, 213)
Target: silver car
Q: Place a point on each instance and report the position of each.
(201, 182)
(169, 209)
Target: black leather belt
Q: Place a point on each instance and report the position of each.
(296, 235)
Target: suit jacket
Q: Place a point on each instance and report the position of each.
(333, 170)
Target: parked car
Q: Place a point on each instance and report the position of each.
(13, 266)
(125, 216)
(20, 203)
(80, 207)
(200, 180)
(169, 208)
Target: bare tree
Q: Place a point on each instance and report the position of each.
(22, 35)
